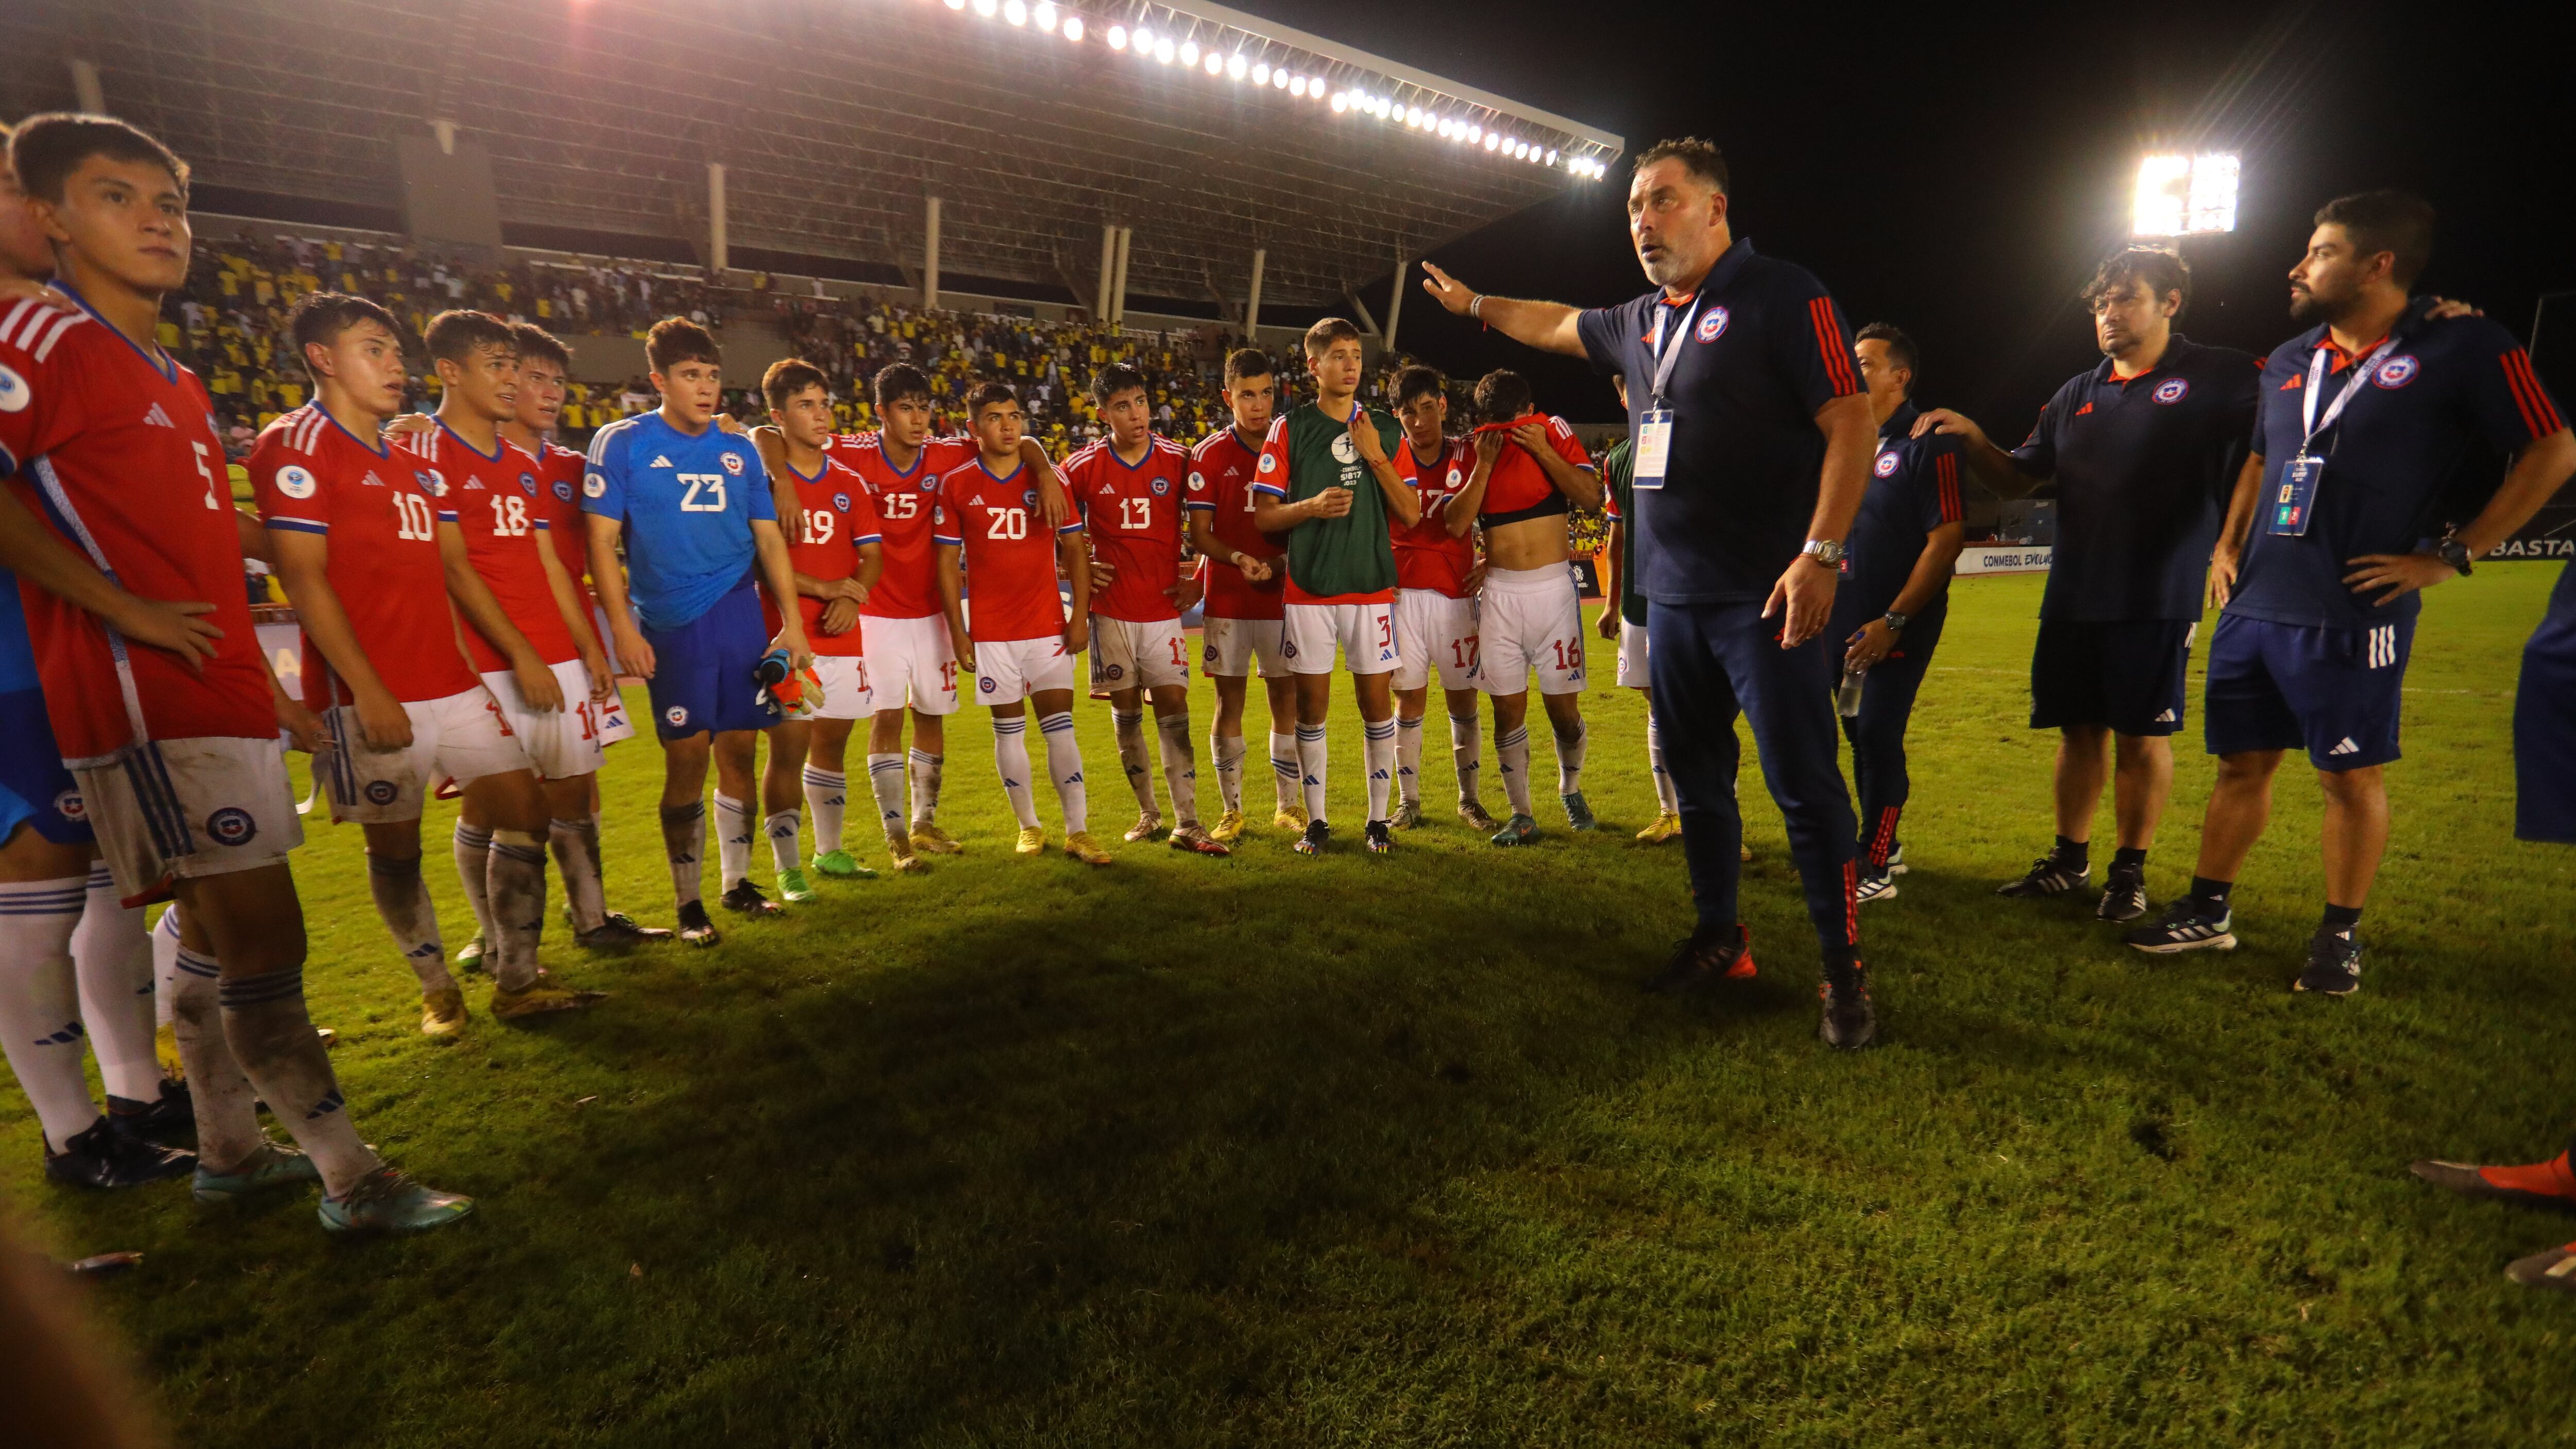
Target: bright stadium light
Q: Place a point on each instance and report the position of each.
(1236, 68)
(985, 8)
(1044, 15)
(1551, 158)
(1189, 52)
(1073, 28)
(1015, 12)
(1117, 34)
(1297, 86)
(1214, 64)
(956, 4)
(1341, 103)
(1279, 78)
(2186, 195)
(1315, 86)
(1473, 135)
(1493, 140)
(1143, 40)
(1163, 51)
(1261, 72)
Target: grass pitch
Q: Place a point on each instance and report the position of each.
(1392, 1151)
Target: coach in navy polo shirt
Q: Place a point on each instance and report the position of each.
(1752, 449)
(2375, 426)
(2141, 452)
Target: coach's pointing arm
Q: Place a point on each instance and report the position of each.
(1547, 326)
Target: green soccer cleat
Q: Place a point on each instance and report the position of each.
(387, 1201)
(840, 865)
(1578, 813)
(469, 957)
(792, 887)
(270, 1166)
(1519, 830)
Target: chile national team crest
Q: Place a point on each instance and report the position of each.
(231, 825)
(13, 391)
(563, 489)
(1885, 467)
(1162, 486)
(71, 806)
(841, 502)
(431, 482)
(2398, 371)
(1030, 498)
(2172, 390)
(733, 463)
(528, 484)
(1712, 324)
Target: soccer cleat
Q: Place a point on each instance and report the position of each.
(442, 1011)
(1313, 840)
(2124, 894)
(1032, 841)
(1896, 860)
(1519, 830)
(929, 839)
(2334, 966)
(2555, 1268)
(841, 865)
(617, 931)
(169, 1120)
(792, 887)
(1578, 813)
(695, 928)
(1667, 826)
(103, 1157)
(1473, 812)
(1880, 887)
(165, 1050)
(1187, 836)
(2541, 1185)
(1408, 815)
(1375, 836)
(270, 1166)
(2048, 876)
(1702, 960)
(745, 898)
(899, 850)
(469, 957)
(1147, 822)
(1228, 828)
(387, 1201)
(1083, 848)
(540, 998)
(1850, 1020)
(1289, 817)
(2183, 927)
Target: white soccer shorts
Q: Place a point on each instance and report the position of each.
(463, 737)
(1632, 657)
(563, 743)
(846, 694)
(909, 662)
(1532, 621)
(1434, 630)
(1231, 646)
(1126, 654)
(1008, 671)
(190, 808)
(1365, 632)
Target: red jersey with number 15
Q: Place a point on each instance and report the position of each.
(1221, 473)
(1008, 550)
(1134, 513)
(493, 502)
(1426, 555)
(116, 449)
(905, 500)
(835, 517)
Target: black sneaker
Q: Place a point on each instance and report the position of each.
(2186, 925)
(2334, 965)
(104, 1157)
(169, 1120)
(1850, 1021)
(746, 899)
(618, 931)
(2555, 1268)
(2124, 894)
(1312, 842)
(1379, 842)
(695, 928)
(1704, 959)
(2048, 876)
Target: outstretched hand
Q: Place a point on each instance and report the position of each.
(1447, 290)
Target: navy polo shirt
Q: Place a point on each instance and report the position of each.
(1913, 489)
(2435, 416)
(1764, 349)
(2143, 470)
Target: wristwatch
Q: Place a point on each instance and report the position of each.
(1895, 621)
(2455, 553)
(1826, 551)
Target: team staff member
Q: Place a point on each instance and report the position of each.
(2366, 419)
(1753, 435)
(2140, 451)
(1895, 594)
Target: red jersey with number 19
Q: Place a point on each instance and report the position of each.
(116, 449)
(908, 588)
(1134, 513)
(836, 515)
(493, 502)
(311, 475)
(1008, 551)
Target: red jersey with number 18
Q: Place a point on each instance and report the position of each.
(493, 502)
(1134, 514)
(116, 449)
(1008, 551)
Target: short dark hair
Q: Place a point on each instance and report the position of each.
(987, 394)
(1699, 157)
(789, 376)
(2399, 223)
(2159, 269)
(47, 149)
(899, 380)
(536, 344)
(1412, 382)
(1245, 362)
(323, 316)
(675, 340)
(1900, 349)
(1321, 336)
(1502, 395)
(457, 334)
(1112, 380)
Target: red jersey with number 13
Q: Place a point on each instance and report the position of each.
(1134, 513)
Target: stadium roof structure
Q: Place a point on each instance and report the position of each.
(835, 119)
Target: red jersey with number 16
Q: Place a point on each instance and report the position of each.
(1134, 514)
(835, 517)
(1008, 550)
(1221, 473)
(908, 588)
(493, 501)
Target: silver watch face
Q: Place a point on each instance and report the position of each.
(1825, 550)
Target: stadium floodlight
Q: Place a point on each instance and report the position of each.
(1044, 15)
(1551, 158)
(956, 4)
(2186, 195)
(1236, 67)
(1164, 51)
(1189, 52)
(1315, 86)
(1143, 40)
(1474, 134)
(1015, 12)
(1261, 72)
(1493, 140)
(1117, 35)
(1297, 86)
(1341, 99)
(1279, 78)
(1214, 64)
(1073, 28)
(985, 8)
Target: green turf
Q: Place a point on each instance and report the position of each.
(1392, 1151)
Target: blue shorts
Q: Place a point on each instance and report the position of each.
(2544, 724)
(34, 786)
(702, 671)
(2333, 692)
(2124, 673)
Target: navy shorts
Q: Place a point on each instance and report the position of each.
(34, 786)
(702, 671)
(2332, 692)
(2123, 673)
(2544, 724)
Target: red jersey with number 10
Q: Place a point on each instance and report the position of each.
(493, 502)
(116, 449)
(1221, 473)
(835, 516)
(908, 588)
(1134, 513)
(1008, 550)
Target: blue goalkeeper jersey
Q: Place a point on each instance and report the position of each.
(687, 505)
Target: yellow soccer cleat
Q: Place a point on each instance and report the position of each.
(442, 1011)
(1290, 817)
(1667, 826)
(165, 1050)
(1083, 848)
(1228, 829)
(540, 998)
(899, 849)
(1032, 841)
(929, 839)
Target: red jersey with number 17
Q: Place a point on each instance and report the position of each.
(1008, 550)
(1427, 556)
(1222, 467)
(1134, 514)
(493, 502)
(908, 588)
(371, 506)
(835, 517)
(116, 449)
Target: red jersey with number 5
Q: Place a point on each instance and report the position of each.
(369, 504)
(493, 502)
(835, 517)
(1008, 550)
(115, 447)
(909, 586)
(1133, 511)
(1221, 472)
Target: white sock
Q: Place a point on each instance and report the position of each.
(1408, 760)
(733, 840)
(1228, 752)
(1467, 752)
(576, 848)
(1287, 768)
(1131, 758)
(925, 786)
(403, 904)
(474, 869)
(1011, 757)
(165, 965)
(827, 796)
(1312, 760)
(40, 1023)
(1569, 758)
(1064, 762)
(780, 826)
(112, 957)
(1664, 793)
(518, 887)
(227, 1108)
(1377, 748)
(1511, 752)
(272, 1037)
(684, 846)
(1180, 766)
(885, 786)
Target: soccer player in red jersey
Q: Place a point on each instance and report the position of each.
(1244, 578)
(1129, 489)
(1022, 641)
(1437, 571)
(178, 762)
(834, 543)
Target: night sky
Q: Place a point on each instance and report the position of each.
(1959, 171)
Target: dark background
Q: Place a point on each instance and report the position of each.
(1960, 171)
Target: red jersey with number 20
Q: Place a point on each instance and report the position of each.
(1134, 514)
(1008, 550)
(1426, 556)
(116, 449)
(1221, 472)
(835, 516)
(909, 586)
(493, 502)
